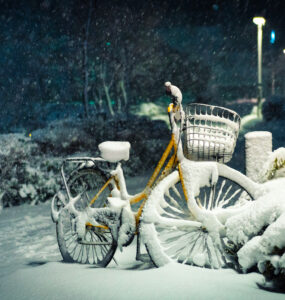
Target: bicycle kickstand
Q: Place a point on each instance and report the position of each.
(143, 257)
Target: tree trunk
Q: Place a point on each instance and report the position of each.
(109, 101)
(125, 97)
(119, 105)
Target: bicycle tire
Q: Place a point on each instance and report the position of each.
(192, 245)
(87, 182)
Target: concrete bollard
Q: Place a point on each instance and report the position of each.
(258, 146)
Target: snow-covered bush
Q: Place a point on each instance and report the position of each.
(67, 137)
(274, 108)
(258, 234)
(30, 166)
(26, 176)
(64, 137)
(274, 167)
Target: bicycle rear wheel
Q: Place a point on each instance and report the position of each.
(98, 245)
(171, 233)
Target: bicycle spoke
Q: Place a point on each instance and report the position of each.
(219, 194)
(226, 201)
(211, 196)
(206, 246)
(190, 249)
(226, 193)
(94, 249)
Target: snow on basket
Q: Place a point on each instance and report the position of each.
(211, 132)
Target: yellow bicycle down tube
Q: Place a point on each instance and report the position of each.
(171, 162)
(102, 189)
(183, 187)
(139, 212)
(168, 167)
(161, 162)
(182, 183)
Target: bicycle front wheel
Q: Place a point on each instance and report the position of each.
(170, 232)
(98, 246)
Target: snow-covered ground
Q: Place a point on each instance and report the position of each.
(31, 268)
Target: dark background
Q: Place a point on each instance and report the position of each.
(60, 58)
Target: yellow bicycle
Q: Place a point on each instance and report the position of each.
(183, 208)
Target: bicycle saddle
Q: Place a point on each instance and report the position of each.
(115, 151)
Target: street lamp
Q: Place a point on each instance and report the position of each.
(259, 21)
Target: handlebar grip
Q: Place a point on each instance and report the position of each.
(174, 92)
(170, 107)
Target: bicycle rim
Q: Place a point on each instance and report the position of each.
(192, 245)
(98, 245)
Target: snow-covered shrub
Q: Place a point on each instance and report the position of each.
(274, 108)
(30, 166)
(67, 137)
(26, 176)
(64, 137)
(274, 167)
(258, 234)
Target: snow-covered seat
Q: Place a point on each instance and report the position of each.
(115, 151)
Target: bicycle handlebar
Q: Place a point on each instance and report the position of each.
(174, 92)
(175, 109)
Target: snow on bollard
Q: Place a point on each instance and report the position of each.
(258, 147)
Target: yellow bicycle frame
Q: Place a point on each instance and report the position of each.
(155, 178)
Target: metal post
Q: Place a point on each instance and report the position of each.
(259, 70)
(259, 21)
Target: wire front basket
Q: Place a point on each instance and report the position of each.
(211, 132)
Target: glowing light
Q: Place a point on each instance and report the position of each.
(30, 135)
(284, 51)
(259, 21)
(272, 37)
